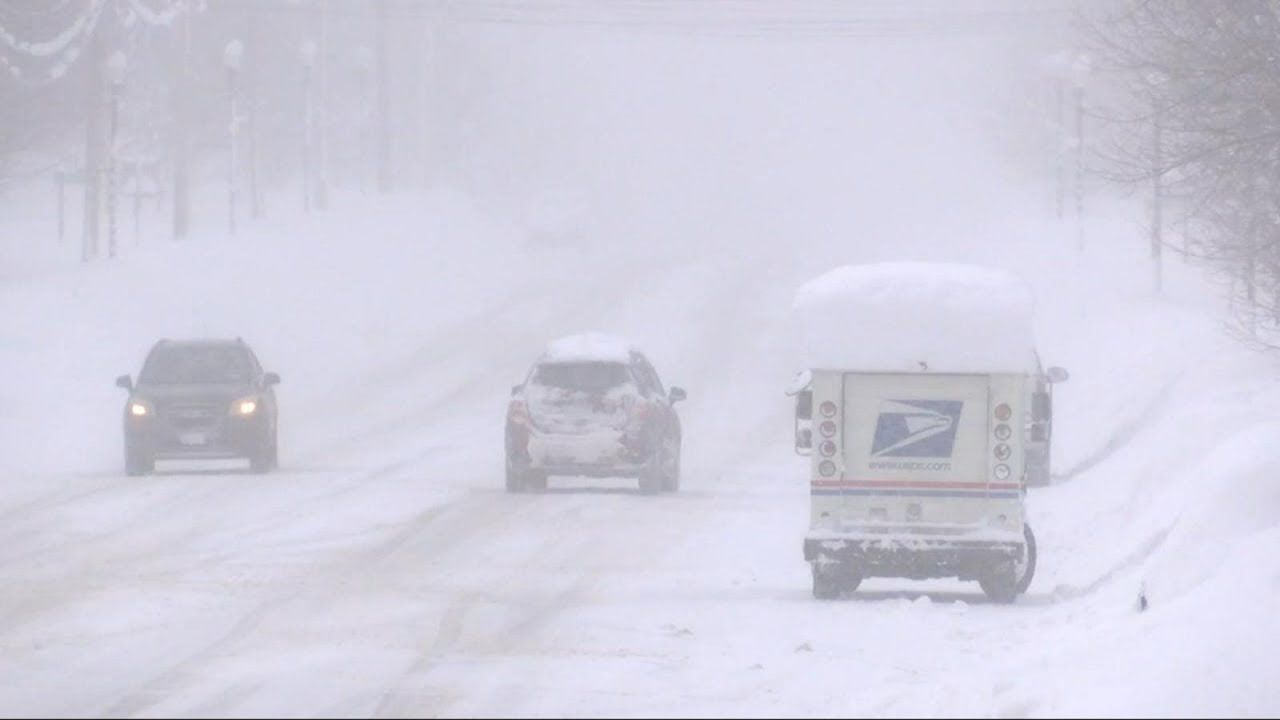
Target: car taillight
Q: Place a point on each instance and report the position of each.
(638, 409)
(518, 412)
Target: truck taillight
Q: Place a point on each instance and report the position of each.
(1003, 412)
(1003, 432)
(828, 409)
(827, 468)
(827, 448)
(827, 428)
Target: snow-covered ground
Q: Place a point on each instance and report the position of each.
(383, 571)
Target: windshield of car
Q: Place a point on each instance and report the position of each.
(196, 366)
(592, 377)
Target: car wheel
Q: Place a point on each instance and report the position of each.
(275, 450)
(671, 480)
(514, 484)
(264, 461)
(652, 480)
(137, 463)
(515, 478)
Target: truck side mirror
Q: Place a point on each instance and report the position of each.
(1041, 407)
(1039, 432)
(1058, 375)
(804, 422)
(804, 440)
(804, 405)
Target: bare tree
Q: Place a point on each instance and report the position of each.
(1197, 113)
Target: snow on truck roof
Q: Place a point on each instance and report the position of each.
(909, 317)
(588, 347)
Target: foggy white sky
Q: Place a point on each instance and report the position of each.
(699, 128)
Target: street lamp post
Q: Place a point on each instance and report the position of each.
(232, 56)
(116, 66)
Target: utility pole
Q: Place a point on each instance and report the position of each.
(137, 202)
(322, 125)
(181, 132)
(424, 97)
(1060, 141)
(1079, 93)
(384, 98)
(307, 54)
(1157, 200)
(93, 154)
(115, 75)
(255, 195)
(232, 56)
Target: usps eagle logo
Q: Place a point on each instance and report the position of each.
(917, 428)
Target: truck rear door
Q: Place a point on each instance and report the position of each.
(915, 449)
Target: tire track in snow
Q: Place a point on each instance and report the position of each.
(345, 570)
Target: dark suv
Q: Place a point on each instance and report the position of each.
(200, 399)
(593, 406)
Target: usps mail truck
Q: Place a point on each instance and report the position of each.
(913, 407)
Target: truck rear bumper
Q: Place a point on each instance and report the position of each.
(916, 558)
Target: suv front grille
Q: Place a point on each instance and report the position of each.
(190, 416)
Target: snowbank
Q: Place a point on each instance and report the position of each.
(589, 347)
(907, 317)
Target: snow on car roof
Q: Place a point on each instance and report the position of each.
(909, 317)
(589, 347)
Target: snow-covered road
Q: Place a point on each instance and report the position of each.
(383, 571)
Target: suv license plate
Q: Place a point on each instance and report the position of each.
(194, 438)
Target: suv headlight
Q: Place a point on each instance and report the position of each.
(140, 408)
(245, 406)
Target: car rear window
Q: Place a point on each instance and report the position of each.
(196, 366)
(583, 376)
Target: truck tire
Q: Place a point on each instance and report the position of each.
(1027, 570)
(831, 581)
(1009, 580)
(1000, 584)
